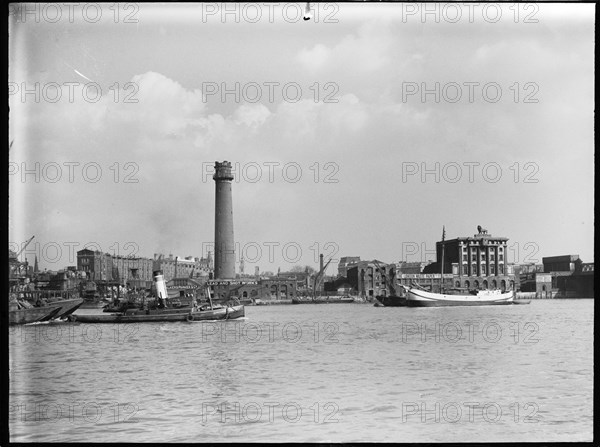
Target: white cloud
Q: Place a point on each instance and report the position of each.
(315, 58)
(366, 51)
(251, 115)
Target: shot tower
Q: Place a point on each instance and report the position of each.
(224, 243)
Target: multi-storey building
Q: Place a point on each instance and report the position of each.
(565, 263)
(371, 278)
(96, 264)
(178, 267)
(103, 267)
(571, 277)
(477, 262)
(136, 272)
(345, 263)
(411, 268)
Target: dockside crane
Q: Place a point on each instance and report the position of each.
(318, 278)
(24, 247)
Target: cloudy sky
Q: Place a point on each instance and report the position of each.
(360, 132)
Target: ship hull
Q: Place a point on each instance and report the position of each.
(228, 313)
(324, 300)
(67, 307)
(143, 316)
(133, 317)
(392, 301)
(421, 298)
(32, 315)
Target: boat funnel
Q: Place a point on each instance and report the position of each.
(161, 286)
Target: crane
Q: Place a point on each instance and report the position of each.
(24, 247)
(318, 278)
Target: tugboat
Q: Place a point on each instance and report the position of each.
(157, 310)
(162, 310)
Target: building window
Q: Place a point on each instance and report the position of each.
(465, 258)
(492, 269)
(476, 284)
(483, 269)
(473, 269)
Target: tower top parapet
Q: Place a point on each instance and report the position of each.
(223, 171)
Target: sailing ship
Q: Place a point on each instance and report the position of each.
(418, 297)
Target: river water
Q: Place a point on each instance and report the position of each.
(312, 373)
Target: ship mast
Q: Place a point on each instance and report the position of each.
(442, 278)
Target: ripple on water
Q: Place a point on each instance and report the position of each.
(175, 381)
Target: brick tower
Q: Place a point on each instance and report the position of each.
(224, 243)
